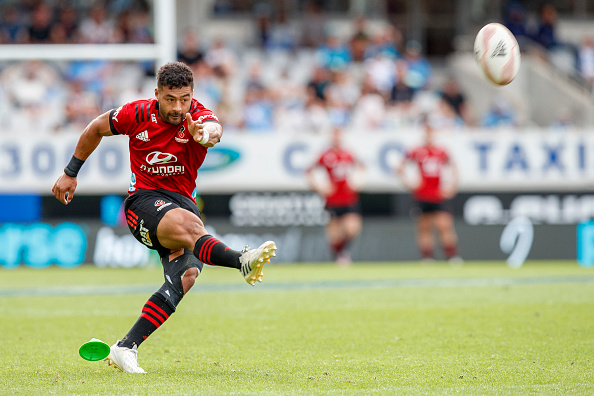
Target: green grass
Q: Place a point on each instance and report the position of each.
(381, 329)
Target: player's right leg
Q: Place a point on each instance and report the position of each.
(425, 236)
(444, 223)
(182, 228)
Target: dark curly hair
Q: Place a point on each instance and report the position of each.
(175, 75)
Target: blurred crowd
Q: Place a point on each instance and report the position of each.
(304, 78)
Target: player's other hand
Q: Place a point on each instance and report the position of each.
(196, 129)
(448, 193)
(64, 188)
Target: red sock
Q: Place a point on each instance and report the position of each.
(426, 253)
(210, 250)
(154, 313)
(450, 251)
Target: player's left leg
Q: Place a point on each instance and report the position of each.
(444, 223)
(180, 269)
(350, 224)
(425, 235)
(334, 235)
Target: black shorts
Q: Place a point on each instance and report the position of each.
(144, 210)
(337, 211)
(432, 207)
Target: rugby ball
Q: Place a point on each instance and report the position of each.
(497, 52)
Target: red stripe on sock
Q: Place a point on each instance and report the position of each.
(155, 315)
(203, 249)
(153, 321)
(206, 246)
(152, 304)
(210, 248)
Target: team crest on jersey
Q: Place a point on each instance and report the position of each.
(143, 136)
(181, 135)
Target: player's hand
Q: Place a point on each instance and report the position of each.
(197, 131)
(64, 188)
(448, 193)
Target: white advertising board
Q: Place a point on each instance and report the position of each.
(488, 161)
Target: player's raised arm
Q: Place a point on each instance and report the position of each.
(64, 187)
(206, 133)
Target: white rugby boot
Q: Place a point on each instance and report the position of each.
(253, 260)
(125, 359)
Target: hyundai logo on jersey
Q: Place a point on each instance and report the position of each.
(157, 157)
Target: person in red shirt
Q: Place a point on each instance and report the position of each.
(169, 137)
(431, 195)
(342, 197)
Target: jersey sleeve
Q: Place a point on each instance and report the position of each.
(202, 114)
(121, 118)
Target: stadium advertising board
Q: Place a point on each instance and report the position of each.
(488, 161)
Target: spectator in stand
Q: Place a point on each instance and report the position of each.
(262, 17)
(418, 69)
(359, 40)
(97, 28)
(41, 24)
(221, 59)
(12, 29)
(515, 20)
(381, 71)
(546, 36)
(444, 117)
(343, 89)
(545, 33)
(258, 111)
(370, 109)
(81, 106)
(334, 54)
(453, 96)
(314, 25)
(317, 119)
(499, 115)
(190, 51)
(65, 30)
(134, 27)
(401, 95)
(283, 34)
(35, 95)
(319, 81)
(586, 58)
(207, 85)
(432, 195)
(387, 42)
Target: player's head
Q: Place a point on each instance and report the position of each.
(175, 87)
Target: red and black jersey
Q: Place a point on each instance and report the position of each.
(339, 165)
(431, 161)
(162, 155)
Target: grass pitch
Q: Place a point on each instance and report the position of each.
(388, 328)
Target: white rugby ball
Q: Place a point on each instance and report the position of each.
(497, 52)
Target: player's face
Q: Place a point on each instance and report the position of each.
(174, 103)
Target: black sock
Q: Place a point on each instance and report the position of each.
(210, 250)
(154, 313)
